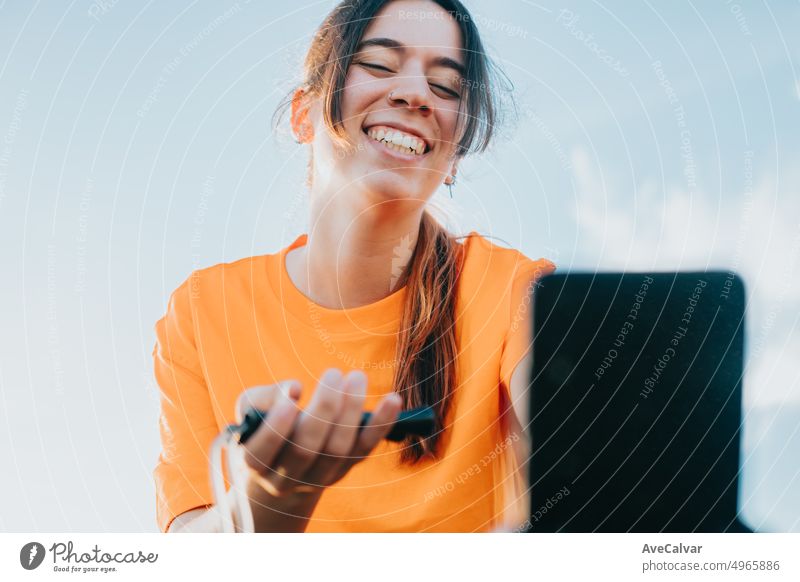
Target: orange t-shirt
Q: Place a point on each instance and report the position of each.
(236, 325)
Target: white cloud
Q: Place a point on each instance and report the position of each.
(755, 231)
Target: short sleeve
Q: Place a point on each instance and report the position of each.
(186, 422)
(518, 339)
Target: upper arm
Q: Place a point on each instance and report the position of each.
(187, 424)
(516, 417)
(519, 389)
(517, 356)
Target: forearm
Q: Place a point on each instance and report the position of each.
(286, 514)
(290, 514)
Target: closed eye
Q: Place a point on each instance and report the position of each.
(450, 92)
(374, 66)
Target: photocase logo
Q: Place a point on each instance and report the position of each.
(31, 555)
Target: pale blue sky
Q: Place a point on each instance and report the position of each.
(135, 145)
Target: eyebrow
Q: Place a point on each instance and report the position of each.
(400, 47)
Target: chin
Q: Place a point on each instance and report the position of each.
(393, 188)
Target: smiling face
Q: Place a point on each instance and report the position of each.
(399, 106)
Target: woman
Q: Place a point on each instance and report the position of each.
(395, 95)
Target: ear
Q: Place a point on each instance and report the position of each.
(301, 126)
(454, 167)
(450, 179)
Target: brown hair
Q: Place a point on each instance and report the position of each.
(425, 374)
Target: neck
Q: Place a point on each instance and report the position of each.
(356, 254)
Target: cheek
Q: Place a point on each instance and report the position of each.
(448, 122)
(358, 92)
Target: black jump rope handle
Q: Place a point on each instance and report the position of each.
(417, 421)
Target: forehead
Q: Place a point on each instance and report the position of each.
(422, 26)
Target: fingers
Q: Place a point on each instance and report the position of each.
(344, 433)
(262, 397)
(381, 421)
(320, 444)
(266, 443)
(311, 433)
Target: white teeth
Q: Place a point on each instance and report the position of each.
(398, 141)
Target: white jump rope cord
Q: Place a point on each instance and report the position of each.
(236, 467)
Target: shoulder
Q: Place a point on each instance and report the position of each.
(492, 259)
(230, 274)
(206, 288)
(235, 268)
(495, 279)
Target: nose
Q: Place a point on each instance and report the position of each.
(412, 91)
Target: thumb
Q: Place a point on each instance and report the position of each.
(263, 397)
